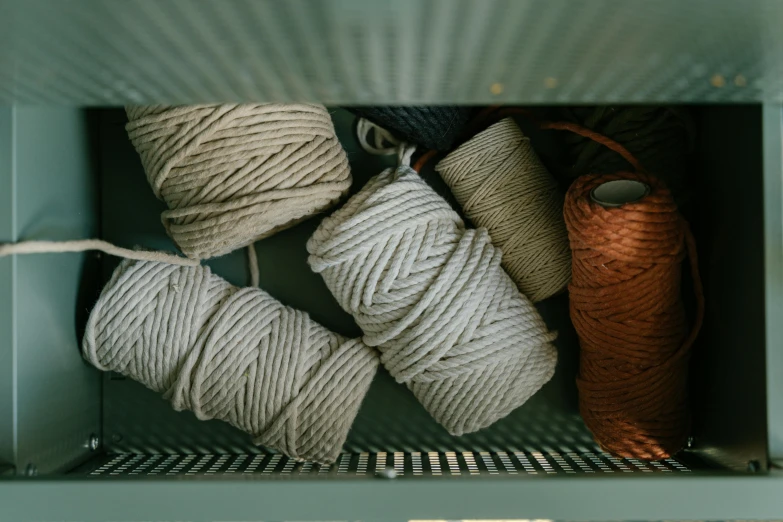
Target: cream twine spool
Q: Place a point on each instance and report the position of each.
(501, 184)
(234, 174)
(431, 295)
(234, 354)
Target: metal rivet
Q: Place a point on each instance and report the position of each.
(496, 88)
(718, 81)
(387, 473)
(754, 466)
(93, 442)
(31, 470)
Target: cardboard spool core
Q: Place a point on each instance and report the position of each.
(619, 192)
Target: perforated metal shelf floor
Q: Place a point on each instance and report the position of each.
(399, 464)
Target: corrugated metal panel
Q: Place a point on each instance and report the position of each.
(97, 52)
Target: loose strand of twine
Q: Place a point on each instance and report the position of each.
(231, 175)
(383, 143)
(497, 112)
(252, 263)
(597, 137)
(661, 138)
(85, 245)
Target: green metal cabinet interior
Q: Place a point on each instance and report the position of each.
(71, 173)
(50, 400)
(79, 445)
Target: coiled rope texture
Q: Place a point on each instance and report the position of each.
(501, 184)
(627, 309)
(433, 298)
(234, 174)
(232, 354)
(435, 127)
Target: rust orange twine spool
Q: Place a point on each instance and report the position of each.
(627, 309)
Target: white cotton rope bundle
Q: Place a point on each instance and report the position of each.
(433, 298)
(501, 185)
(234, 174)
(233, 354)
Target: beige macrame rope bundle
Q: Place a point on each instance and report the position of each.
(232, 354)
(433, 298)
(234, 174)
(501, 184)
